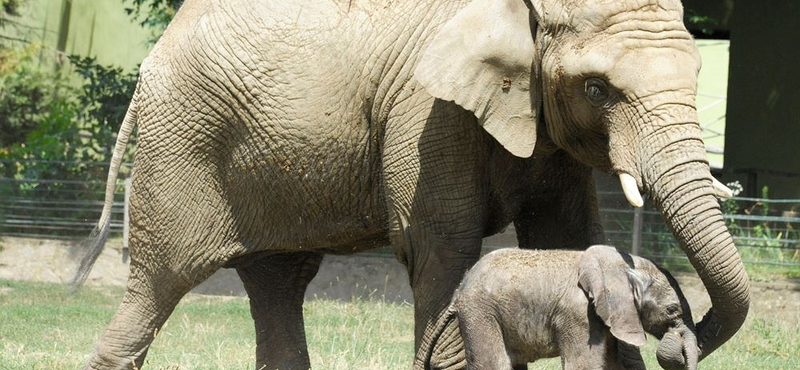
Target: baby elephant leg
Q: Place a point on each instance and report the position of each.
(483, 342)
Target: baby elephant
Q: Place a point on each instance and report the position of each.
(591, 308)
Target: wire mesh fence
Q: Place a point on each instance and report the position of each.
(766, 231)
(55, 199)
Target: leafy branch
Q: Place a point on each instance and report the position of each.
(154, 14)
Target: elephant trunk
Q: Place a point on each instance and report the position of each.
(678, 350)
(690, 350)
(682, 188)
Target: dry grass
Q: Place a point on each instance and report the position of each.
(42, 327)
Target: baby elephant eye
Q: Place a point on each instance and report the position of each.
(673, 310)
(596, 91)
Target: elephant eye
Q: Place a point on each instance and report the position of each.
(596, 91)
(673, 310)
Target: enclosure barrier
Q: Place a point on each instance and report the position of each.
(63, 200)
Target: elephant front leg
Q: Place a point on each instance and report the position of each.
(434, 171)
(276, 286)
(435, 272)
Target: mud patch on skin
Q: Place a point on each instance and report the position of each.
(506, 84)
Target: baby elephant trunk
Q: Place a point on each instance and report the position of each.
(678, 349)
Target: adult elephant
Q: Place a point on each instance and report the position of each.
(272, 132)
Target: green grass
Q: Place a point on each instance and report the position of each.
(43, 327)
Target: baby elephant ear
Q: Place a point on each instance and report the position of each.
(604, 276)
(482, 59)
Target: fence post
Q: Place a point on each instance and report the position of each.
(636, 243)
(126, 221)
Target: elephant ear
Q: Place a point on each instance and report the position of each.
(482, 60)
(606, 278)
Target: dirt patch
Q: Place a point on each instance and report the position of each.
(56, 261)
(339, 277)
(777, 299)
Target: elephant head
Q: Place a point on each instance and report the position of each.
(613, 84)
(633, 296)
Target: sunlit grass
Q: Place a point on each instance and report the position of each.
(43, 327)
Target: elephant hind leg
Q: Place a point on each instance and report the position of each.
(151, 296)
(276, 285)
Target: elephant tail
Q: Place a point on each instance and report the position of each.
(97, 239)
(446, 349)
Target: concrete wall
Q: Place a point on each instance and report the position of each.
(368, 275)
(371, 275)
(360, 276)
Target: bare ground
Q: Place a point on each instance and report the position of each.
(340, 277)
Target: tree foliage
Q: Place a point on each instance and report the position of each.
(58, 122)
(103, 100)
(58, 127)
(153, 14)
(34, 99)
(26, 93)
(705, 23)
(11, 7)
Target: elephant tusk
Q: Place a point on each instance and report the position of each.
(630, 189)
(720, 189)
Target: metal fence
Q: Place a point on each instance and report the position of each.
(56, 199)
(766, 231)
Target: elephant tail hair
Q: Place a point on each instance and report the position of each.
(97, 239)
(446, 350)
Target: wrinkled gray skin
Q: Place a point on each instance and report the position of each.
(271, 132)
(591, 308)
